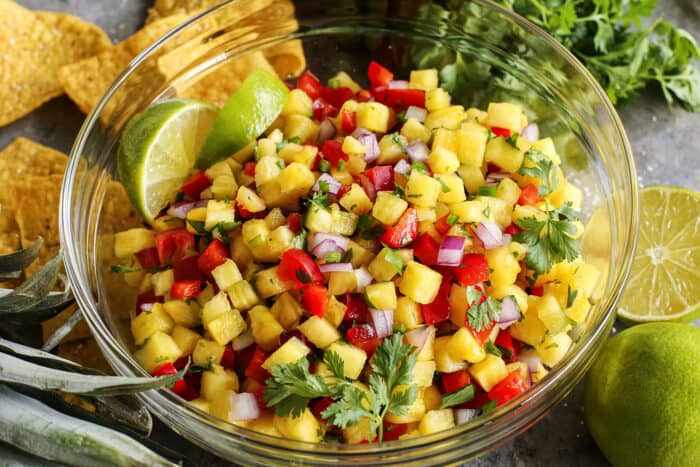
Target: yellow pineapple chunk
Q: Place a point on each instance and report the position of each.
(216, 380)
(472, 177)
(265, 327)
(388, 208)
(223, 186)
(129, 242)
(207, 353)
(353, 358)
(420, 283)
(432, 397)
(530, 330)
(343, 80)
(162, 282)
(300, 126)
(242, 295)
(505, 115)
(298, 102)
(443, 161)
(444, 361)
(414, 413)
(226, 274)
(250, 200)
(464, 346)
(551, 314)
(422, 373)
(452, 190)
(219, 212)
(290, 352)
(436, 99)
(150, 322)
(436, 420)
(489, 372)
(553, 348)
(359, 432)
(469, 212)
(341, 283)
(449, 117)
(471, 144)
(335, 312)
(383, 269)
(412, 130)
(342, 222)
(264, 424)
(509, 191)
(319, 332)
(501, 153)
(287, 311)
(356, 200)
(426, 80)
(201, 404)
(381, 295)
(353, 147)
(185, 339)
(408, 313)
(296, 180)
(505, 267)
(373, 116)
(181, 312)
(422, 190)
(267, 284)
(215, 307)
(159, 349)
(302, 428)
(226, 327)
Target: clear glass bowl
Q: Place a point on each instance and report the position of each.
(497, 49)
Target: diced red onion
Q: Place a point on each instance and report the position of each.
(509, 314)
(326, 131)
(363, 278)
(333, 184)
(369, 141)
(146, 306)
(398, 84)
(532, 360)
(244, 406)
(382, 321)
(507, 238)
(463, 416)
(321, 250)
(243, 341)
(418, 113)
(339, 240)
(417, 151)
(402, 167)
(368, 186)
(531, 132)
(418, 337)
(490, 234)
(336, 267)
(495, 177)
(451, 251)
(181, 209)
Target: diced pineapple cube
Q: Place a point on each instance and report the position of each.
(443, 161)
(464, 346)
(471, 144)
(422, 373)
(428, 350)
(218, 169)
(341, 283)
(265, 327)
(420, 283)
(201, 404)
(530, 330)
(539, 374)
(445, 139)
(226, 327)
(504, 266)
(373, 116)
(498, 210)
(412, 130)
(501, 153)
(550, 313)
(579, 309)
(511, 290)
(162, 281)
(436, 420)
(290, 352)
(343, 80)
(472, 177)
(319, 332)
(206, 294)
(302, 428)
(469, 211)
(226, 274)
(450, 117)
(150, 322)
(181, 312)
(287, 311)
(546, 145)
(508, 191)
(381, 295)
(520, 367)
(194, 217)
(383, 269)
(300, 126)
(359, 432)
(267, 169)
(458, 305)
(159, 349)
(422, 190)
(432, 397)
(129, 242)
(217, 380)
(242, 295)
(219, 211)
(267, 284)
(207, 353)
(318, 219)
(505, 115)
(414, 413)
(224, 186)
(388, 208)
(296, 180)
(250, 200)
(266, 148)
(444, 361)
(361, 256)
(335, 312)
(298, 102)
(356, 200)
(477, 115)
(427, 80)
(342, 222)
(215, 307)
(185, 338)
(553, 348)
(353, 358)
(408, 313)
(167, 222)
(353, 147)
(437, 99)
(452, 190)
(488, 372)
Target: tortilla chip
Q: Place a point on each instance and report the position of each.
(80, 331)
(87, 80)
(85, 352)
(26, 157)
(163, 8)
(36, 210)
(34, 47)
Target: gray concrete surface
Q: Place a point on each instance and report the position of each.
(665, 143)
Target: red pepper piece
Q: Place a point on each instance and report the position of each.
(228, 358)
(392, 431)
(243, 213)
(356, 309)
(512, 229)
(298, 267)
(173, 244)
(249, 169)
(320, 406)
(505, 341)
(473, 269)
(259, 396)
(184, 290)
(332, 151)
(294, 222)
(311, 85)
(382, 177)
(529, 195)
(214, 255)
(348, 121)
(451, 382)
(337, 96)
(498, 131)
(363, 95)
(185, 269)
(148, 258)
(404, 232)
(254, 369)
(314, 298)
(368, 186)
(509, 388)
(426, 248)
(438, 310)
(196, 184)
(483, 335)
(363, 337)
(323, 110)
(149, 296)
(378, 75)
(442, 226)
(399, 98)
(342, 191)
(537, 290)
(243, 358)
(165, 369)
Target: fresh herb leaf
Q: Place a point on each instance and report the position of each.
(491, 348)
(118, 268)
(280, 164)
(399, 140)
(347, 256)
(323, 186)
(299, 240)
(481, 315)
(570, 296)
(401, 116)
(398, 191)
(303, 276)
(486, 190)
(489, 406)
(226, 227)
(198, 226)
(543, 168)
(284, 142)
(291, 386)
(452, 219)
(458, 397)
(505, 353)
(335, 363)
(368, 228)
(445, 188)
(342, 165)
(324, 166)
(512, 139)
(420, 167)
(487, 211)
(333, 257)
(549, 241)
(319, 200)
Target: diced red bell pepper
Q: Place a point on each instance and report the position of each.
(348, 121)
(363, 95)
(323, 110)
(332, 151)
(185, 269)
(185, 290)
(483, 335)
(342, 191)
(254, 369)
(378, 75)
(537, 290)
(529, 195)
(473, 269)
(148, 258)
(512, 229)
(498, 131)
(505, 341)
(173, 244)
(149, 296)
(399, 98)
(228, 358)
(404, 232)
(196, 184)
(311, 85)
(382, 177)
(439, 310)
(337, 96)
(356, 309)
(314, 298)
(480, 398)
(294, 222)
(442, 226)
(194, 379)
(249, 169)
(426, 248)
(213, 255)
(363, 337)
(243, 358)
(393, 431)
(451, 382)
(259, 396)
(509, 388)
(243, 213)
(164, 370)
(298, 267)
(320, 406)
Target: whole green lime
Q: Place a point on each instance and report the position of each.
(642, 397)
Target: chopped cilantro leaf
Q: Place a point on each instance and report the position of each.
(537, 164)
(452, 219)
(458, 397)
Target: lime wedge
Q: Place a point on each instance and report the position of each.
(158, 149)
(246, 115)
(664, 284)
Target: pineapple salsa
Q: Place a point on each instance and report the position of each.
(380, 264)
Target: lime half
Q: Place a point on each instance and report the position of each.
(664, 283)
(158, 150)
(247, 113)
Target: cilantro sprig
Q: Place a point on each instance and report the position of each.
(551, 240)
(481, 314)
(543, 168)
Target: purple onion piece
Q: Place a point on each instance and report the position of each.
(509, 313)
(417, 151)
(319, 237)
(336, 267)
(333, 184)
(382, 321)
(402, 167)
(451, 251)
(326, 131)
(244, 406)
(531, 132)
(363, 278)
(418, 113)
(398, 84)
(490, 234)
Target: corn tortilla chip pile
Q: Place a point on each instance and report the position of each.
(33, 46)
